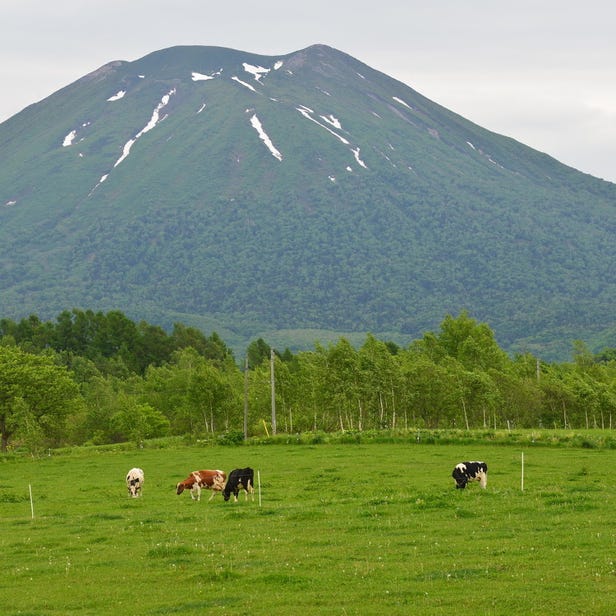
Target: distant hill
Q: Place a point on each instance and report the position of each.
(297, 198)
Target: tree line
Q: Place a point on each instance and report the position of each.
(96, 378)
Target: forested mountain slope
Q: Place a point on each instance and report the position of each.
(294, 196)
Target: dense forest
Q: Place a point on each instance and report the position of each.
(96, 378)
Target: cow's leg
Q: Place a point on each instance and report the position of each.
(196, 489)
(213, 495)
(483, 480)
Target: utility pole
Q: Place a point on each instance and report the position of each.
(273, 388)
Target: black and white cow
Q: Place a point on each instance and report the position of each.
(470, 471)
(240, 479)
(134, 482)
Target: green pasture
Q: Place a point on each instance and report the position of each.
(341, 529)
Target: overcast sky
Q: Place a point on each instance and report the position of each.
(540, 71)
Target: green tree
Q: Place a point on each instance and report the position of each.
(137, 422)
(33, 389)
(463, 338)
(342, 384)
(101, 395)
(312, 412)
(257, 352)
(379, 377)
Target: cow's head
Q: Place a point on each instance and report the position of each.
(461, 483)
(460, 476)
(179, 488)
(133, 487)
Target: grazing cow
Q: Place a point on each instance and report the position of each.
(470, 471)
(134, 482)
(240, 479)
(210, 480)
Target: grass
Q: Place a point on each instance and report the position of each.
(342, 529)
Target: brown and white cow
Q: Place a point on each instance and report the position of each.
(209, 479)
(134, 482)
(240, 479)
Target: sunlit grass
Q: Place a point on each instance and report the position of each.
(342, 529)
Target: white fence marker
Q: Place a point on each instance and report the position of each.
(31, 501)
(259, 484)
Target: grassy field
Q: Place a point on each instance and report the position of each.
(341, 529)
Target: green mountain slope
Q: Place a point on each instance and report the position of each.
(259, 195)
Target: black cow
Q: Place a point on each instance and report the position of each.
(470, 471)
(240, 479)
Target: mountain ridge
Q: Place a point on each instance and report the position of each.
(306, 191)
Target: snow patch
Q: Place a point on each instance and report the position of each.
(256, 124)
(278, 65)
(117, 96)
(201, 108)
(11, 202)
(201, 77)
(154, 120)
(399, 100)
(246, 85)
(68, 140)
(305, 111)
(358, 159)
(330, 119)
(256, 71)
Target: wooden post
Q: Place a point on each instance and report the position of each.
(31, 500)
(265, 427)
(273, 388)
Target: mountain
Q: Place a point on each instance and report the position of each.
(295, 197)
